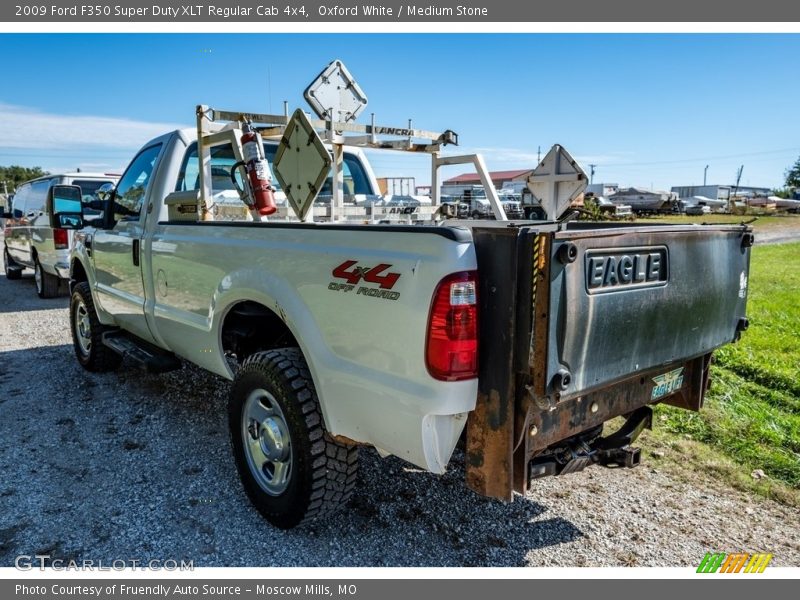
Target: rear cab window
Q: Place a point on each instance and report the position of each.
(356, 181)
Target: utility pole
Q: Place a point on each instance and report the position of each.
(705, 172)
(591, 174)
(736, 189)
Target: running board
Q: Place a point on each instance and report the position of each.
(146, 356)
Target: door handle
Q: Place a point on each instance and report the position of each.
(135, 253)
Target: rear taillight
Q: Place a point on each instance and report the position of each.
(61, 239)
(452, 344)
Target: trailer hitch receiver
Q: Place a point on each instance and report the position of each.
(587, 448)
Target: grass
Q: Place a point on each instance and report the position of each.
(751, 419)
(765, 222)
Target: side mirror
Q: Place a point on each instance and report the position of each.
(65, 207)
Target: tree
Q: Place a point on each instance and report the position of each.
(14, 175)
(793, 175)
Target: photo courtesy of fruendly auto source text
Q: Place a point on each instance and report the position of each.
(388, 300)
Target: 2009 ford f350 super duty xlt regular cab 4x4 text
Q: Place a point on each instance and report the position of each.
(529, 335)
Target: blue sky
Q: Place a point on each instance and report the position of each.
(648, 109)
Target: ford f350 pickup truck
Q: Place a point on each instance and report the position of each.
(525, 336)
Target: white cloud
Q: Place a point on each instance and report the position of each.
(27, 128)
(514, 157)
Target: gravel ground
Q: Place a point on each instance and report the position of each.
(134, 466)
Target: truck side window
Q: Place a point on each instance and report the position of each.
(130, 192)
(18, 204)
(36, 197)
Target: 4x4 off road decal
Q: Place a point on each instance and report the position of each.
(353, 274)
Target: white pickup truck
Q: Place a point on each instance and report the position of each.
(528, 335)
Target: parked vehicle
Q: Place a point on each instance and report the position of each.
(608, 208)
(643, 201)
(787, 204)
(335, 335)
(698, 209)
(458, 210)
(474, 196)
(714, 205)
(512, 204)
(31, 242)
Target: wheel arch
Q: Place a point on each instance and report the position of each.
(77, 274)
(249, 326)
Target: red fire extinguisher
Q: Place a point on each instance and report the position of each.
(257, 169)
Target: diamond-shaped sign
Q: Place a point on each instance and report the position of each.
(302, 163)
(557, 181)
(335, 95)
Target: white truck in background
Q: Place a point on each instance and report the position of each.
(29, 240)
(339, 334)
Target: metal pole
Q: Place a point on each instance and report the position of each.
(337, 199)
(435, 196)
(705, 172)
(204, 160)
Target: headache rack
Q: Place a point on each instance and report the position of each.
(217, 127)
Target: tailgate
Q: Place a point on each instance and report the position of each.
(590, 322)
(625, 301)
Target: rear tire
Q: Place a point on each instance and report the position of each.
(87, 333)
(46, 284)
(292, 470)
(13, 271)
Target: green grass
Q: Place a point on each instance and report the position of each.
(766, 222)
(751, 419)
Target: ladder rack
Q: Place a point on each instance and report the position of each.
(216, 126)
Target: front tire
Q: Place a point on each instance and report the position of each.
(292, 470)
(87, 333)
(46, 284)
(13, 271)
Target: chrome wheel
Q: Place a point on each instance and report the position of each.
(267, 444)
(83, 328)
